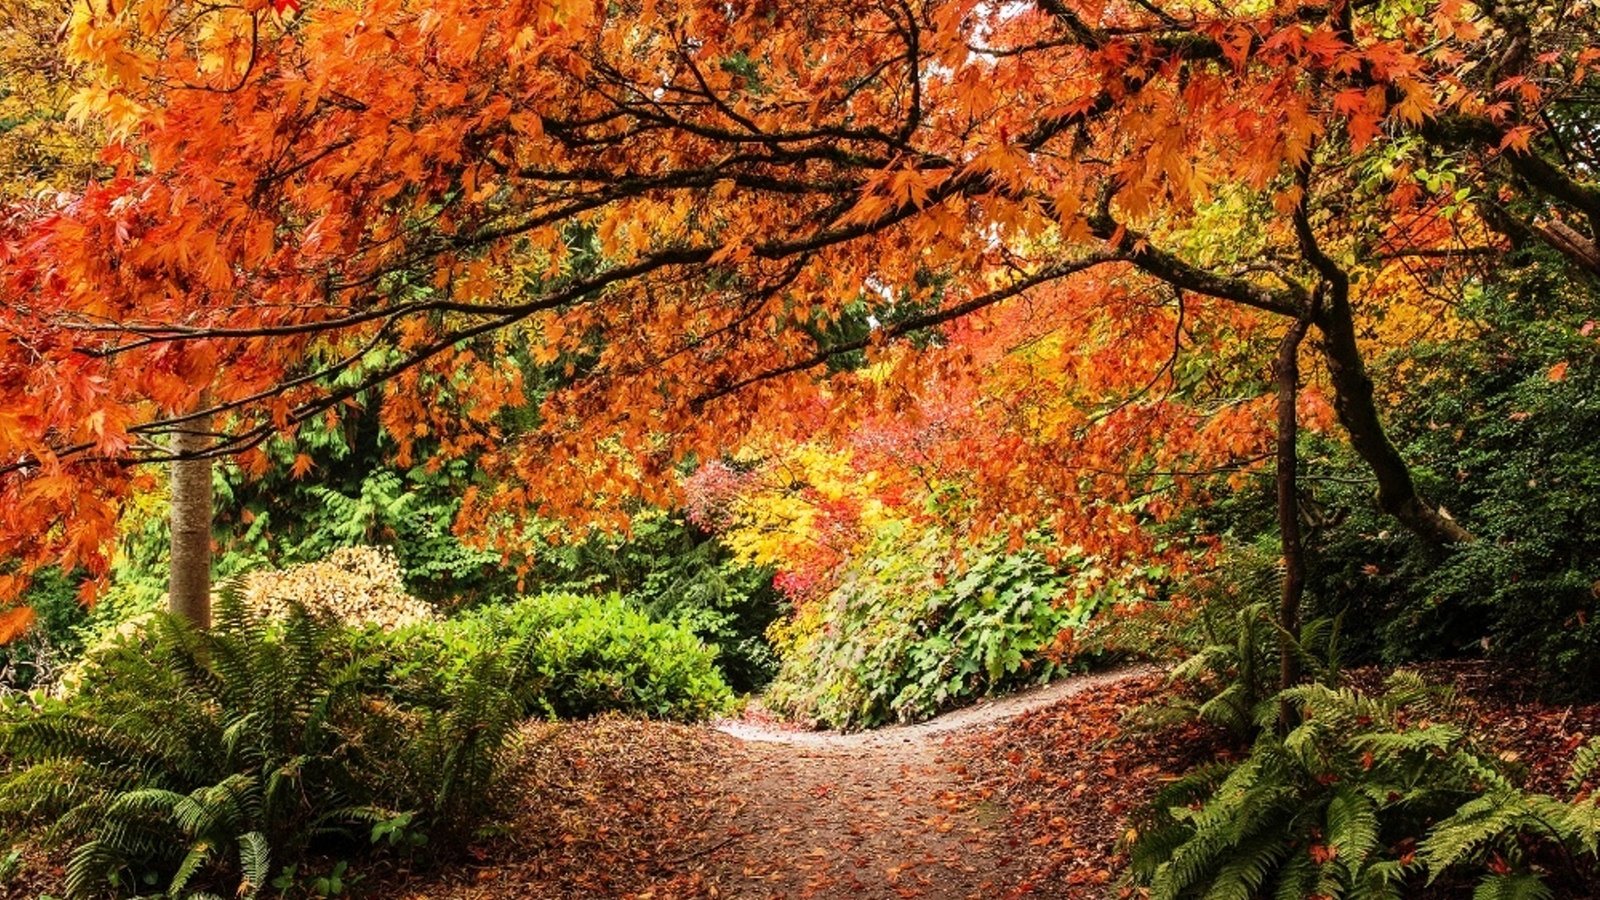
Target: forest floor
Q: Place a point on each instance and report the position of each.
(1021, 796)
(1027, 796)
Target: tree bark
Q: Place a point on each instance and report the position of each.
(189, 591)
(1353, 392)
(1358, 413)
(1286, 372)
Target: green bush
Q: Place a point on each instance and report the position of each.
(678, 573)
(1363, 797)
(574, 655)
(187, 761)
(1497, 420)
(907, 634)
(1501, 431)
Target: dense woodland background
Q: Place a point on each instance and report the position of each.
(379, 379)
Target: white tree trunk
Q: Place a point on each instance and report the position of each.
(189, 594)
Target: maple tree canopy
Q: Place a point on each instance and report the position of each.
(669, 201)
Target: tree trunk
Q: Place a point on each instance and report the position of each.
(1358, 413)
(1286, 372)
(189, 593)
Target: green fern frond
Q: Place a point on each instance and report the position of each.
(1580, 823)
(199, 854)
(89, 870)
(1512, 887)
(255, 864)
(1352, 825)
(1477, 822)
(1584, 763)
(1247, 869)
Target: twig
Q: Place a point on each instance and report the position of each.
(679, 860)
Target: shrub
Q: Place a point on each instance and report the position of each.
(676, 572)
(353, 585)
(1362, 797)
(575, 655)
(1498, 426)
(907, 633)
(1512, 454)
(205, 761)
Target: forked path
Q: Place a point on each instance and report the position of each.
(891, 813)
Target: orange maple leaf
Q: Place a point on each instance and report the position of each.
(15, 621)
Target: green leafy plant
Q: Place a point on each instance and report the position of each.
(1363, 797)
(1501, 428)
(1333, 805)
(569, 656)
(909, 633)
(201, 761)
(1529, 844)
(677, 573)
(1228, 679)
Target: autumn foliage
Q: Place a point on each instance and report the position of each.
(1044, 214)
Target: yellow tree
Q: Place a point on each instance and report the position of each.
(39, 148)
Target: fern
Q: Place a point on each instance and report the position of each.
(1327, 808)
(1352, 823)
(1512, 887)
(1315, 809)
(1235, 673)
(1473, 825)
(1579, 823)
(1584, 763)
(201, 760)
(255, 864)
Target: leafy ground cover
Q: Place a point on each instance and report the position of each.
(1029, 796)
(616, 807)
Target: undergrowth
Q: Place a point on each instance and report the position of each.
(191, 763)
(1346, 795)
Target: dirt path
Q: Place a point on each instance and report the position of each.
(636, 810)
(890, 813)
(870, 820)
(984, 712)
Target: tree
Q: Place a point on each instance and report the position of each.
(39, 148)
(672, 202)
(189, 591)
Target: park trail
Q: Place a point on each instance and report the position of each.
(890, 813)
(614, 808)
